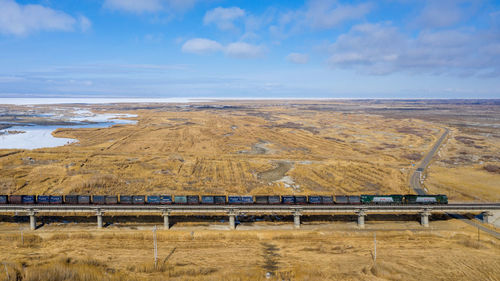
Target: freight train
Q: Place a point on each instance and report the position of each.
(395, 199)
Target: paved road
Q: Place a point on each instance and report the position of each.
(415, 177)
(415, 184)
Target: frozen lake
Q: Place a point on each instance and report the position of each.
(40, 136)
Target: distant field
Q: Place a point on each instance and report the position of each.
(257, 147)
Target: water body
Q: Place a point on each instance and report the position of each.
(40, 136)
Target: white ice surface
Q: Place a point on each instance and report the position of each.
(39, 136)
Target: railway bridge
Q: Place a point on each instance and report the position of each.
(486, 209)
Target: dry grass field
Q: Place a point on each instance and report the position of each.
(450, 251)
(245, 148)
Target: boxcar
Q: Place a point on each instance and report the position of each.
(15, 199)
(71, 199)
(179, 199)
(300, 200)
(111, 199)
(326, 199)
(126, 199)
(382, 199)
(98, 199)
(233, 199)
(3, 199)
(193, 199)
(354, 200)
(288, 199)
(274, 199)
(314, 199)
(56, 199)
(247, 199)
(43, 199)
(138, 199)
(220, 199)
(165, 199)
(83, 199)
(207, 199)
(261, 199)
(341, 199)
(28, 199)
(426, 199)
(153, 199)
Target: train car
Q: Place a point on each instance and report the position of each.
(4, 199)
(138, 199)
(326, 200)
(84, 199)
(111, 199)
(71, 199)
(180, 199)
(300, 200)
(261, 199)
(166, 199)
(274, 199)
(56, 199)
(394, 199)
(314, 199)
(247, 199)
(234, 199)
(341, 199)
(15, 199)
(288, 199)
(153, 199)
(126, 199)
(28, 199)
(426, 199)
(98, 199)
(193, 199)
(43, 199)
(219, 199)
(354, 199)
(207, 199)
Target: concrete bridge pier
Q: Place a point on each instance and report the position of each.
(424, 218)
(232, 224)
(99, 214)
(361, 218)
(166, 223)
(296, 219)
(32, 215)
(487, 217)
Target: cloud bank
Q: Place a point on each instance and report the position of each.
(19, 20)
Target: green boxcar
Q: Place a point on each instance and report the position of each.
(426, 199)
(382, 199)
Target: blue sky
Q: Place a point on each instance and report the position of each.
(250, 49)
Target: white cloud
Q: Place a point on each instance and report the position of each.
(440, 13)
(298, 58)
(19, 19)
(382, 49)
(237, 49)
(149, 6)
(223, 17)
(327, 14)
(85, 23)
(244, 50)
(201, 46)
(136, 6)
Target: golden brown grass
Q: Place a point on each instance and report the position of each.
(205, 151)
(449, 252)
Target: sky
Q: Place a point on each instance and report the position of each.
(250, 49)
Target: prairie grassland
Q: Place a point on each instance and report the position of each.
(252, 148)
(449, 252)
